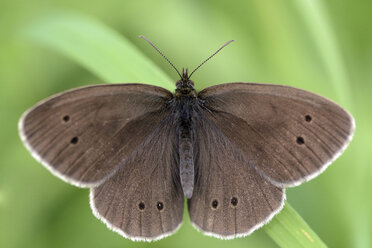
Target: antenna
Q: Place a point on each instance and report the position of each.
(211, 56)
(143, 37)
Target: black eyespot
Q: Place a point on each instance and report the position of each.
(66, 118)
(74, 140)
(214, 204)
(160, 206)
(141, 206)
(234, 201)
(300, 140)
(308, 118)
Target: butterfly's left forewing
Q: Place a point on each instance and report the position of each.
(83, 135)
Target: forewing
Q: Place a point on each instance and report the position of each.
(83, 135)
(230, 198)
(144, 199)
(288, 135)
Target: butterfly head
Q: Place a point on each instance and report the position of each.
(185, 81)
(185, 87)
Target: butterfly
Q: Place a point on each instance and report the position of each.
(230, 150)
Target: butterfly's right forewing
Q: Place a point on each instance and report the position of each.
(288, 135)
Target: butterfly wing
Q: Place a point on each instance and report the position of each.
(230, 199)
(144, 199)
(288, 135)
(83, 135)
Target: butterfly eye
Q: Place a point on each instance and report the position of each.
(66, 118)
(160, 206)
(74, 140)
(214, 204)
(234, 201)
(300, 140)
(308, 118)
(141, 206)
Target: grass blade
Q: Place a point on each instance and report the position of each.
(329, 51)
(98, 48)
(288, 229)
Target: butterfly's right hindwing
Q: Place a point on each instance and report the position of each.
(230, 198)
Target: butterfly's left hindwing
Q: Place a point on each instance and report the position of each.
(144, 199)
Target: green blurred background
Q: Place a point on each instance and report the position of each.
(321, 46)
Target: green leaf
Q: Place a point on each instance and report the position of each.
(110, 56)
(288, 229)
(314, 14)
(97, 47)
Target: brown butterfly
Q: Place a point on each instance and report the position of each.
(230, 149)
